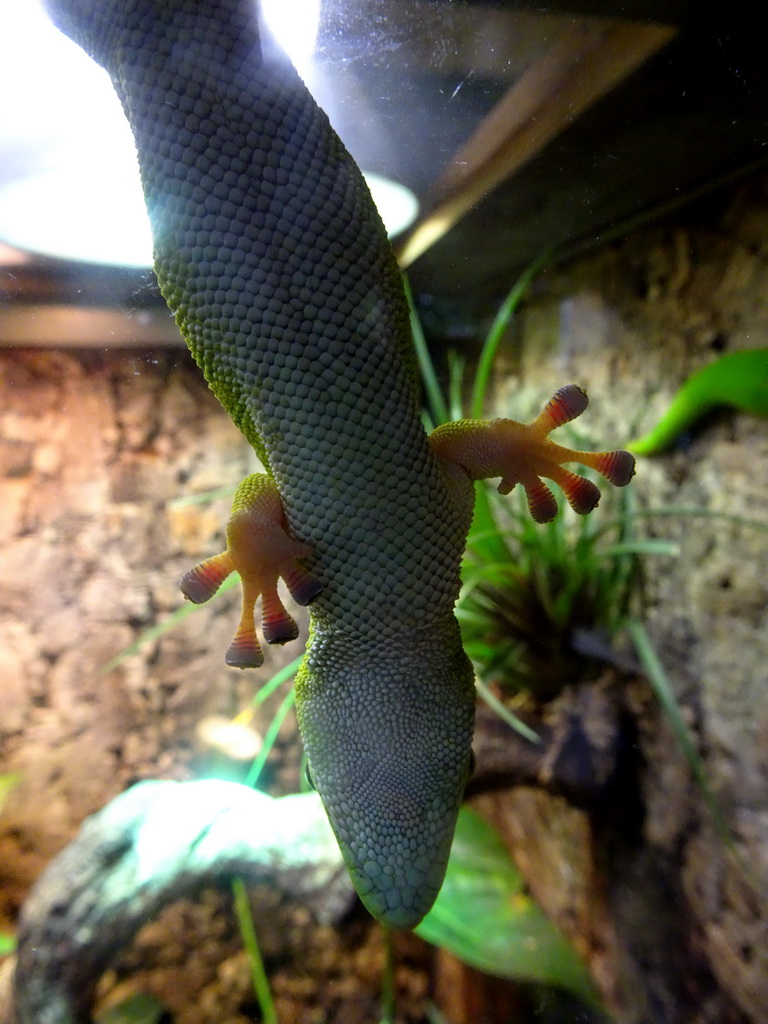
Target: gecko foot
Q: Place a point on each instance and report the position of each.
(522, 453)
(261, 551)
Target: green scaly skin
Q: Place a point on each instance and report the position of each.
(275, 263)
(271, 254)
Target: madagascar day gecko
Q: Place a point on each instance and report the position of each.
(272, 256)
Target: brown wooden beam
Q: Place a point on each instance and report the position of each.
(586, 61)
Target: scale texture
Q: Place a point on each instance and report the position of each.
(275, 263)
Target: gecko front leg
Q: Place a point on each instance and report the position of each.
(260, 549)
(523, 453)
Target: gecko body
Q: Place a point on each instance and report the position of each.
(272, 256)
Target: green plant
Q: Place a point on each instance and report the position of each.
(738, 380)
(250, 941)
(523, 611)
(137, 1008)
(532, 593)
(484, 916)
(8, 782)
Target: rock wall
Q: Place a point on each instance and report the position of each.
(674, 921)
(96, 449)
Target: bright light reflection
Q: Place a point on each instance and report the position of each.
(211, 820)
(396, 204)
(69, 184)
(96, 212)
(294, 24)
(181, 813)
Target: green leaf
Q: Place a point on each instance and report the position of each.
(485, 918)
(7, 944)
(168, 624)
(138, 1008)
(435, 400)
(496, 333)
(7, 782)
(250, 941)
(738, 379)
(504, 713)
(665, 694)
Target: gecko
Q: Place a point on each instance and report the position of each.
(274, 261)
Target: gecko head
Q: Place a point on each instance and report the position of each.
(388, 728)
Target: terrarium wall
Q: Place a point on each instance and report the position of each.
(673, 922)
(97, 448)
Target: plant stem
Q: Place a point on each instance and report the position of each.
(269, 738)
(251, 943)
(277, 680)
(496, 333)
(437, 407)
(660, 684)
(504, 713)
(388, 980)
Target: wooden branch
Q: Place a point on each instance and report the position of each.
(576, 756)
(586, 61)
(161, 841)
(152, 845)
